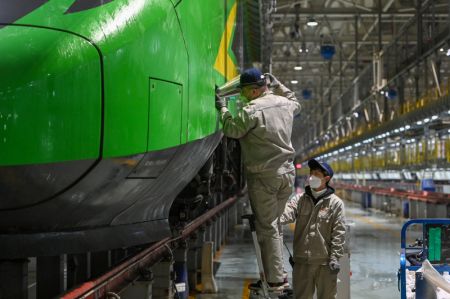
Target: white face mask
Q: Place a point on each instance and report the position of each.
(315, 182)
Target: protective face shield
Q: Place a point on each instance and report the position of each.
(315, 182)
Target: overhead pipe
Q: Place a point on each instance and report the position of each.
(435, 76)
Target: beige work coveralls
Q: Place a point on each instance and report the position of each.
(264, 129)
(319, 237)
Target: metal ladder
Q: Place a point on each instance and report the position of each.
(262, 293)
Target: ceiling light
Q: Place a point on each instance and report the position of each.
(426, 120)
(442, 50)
(294, 81)
(448, 52)
(434, 117)
(312, 22)
(407, 127)
(298, 68)
(356, 114)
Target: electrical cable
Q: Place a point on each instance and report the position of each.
(172, 276)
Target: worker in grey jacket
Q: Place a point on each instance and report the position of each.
(319, 235)
(264, 129)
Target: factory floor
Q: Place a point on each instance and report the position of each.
(374, 257)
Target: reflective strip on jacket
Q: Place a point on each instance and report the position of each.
(264, 129)
(319, 229)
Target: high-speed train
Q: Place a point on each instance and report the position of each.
(106, 115)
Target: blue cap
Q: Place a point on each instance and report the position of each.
(252, 76)
(313, 163)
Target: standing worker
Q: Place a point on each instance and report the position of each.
(319, 235)
(264, 128)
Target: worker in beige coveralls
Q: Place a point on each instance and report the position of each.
(264, 129)
(319, 235)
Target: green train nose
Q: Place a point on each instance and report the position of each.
(50, 111)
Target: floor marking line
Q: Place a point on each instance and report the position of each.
(246, 291)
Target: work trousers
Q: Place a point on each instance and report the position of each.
(306, 278)
(268, 197)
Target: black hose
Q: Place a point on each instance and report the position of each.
(291, 258)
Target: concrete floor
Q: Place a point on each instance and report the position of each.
(374, 247)
(375, 253)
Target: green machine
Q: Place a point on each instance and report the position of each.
(106, 114)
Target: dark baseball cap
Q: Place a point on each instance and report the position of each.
(252, 76)
(313, 163)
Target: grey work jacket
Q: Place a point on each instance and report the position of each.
(320, 228)
(264, 129)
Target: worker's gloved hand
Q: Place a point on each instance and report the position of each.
(273, 80)
(335, 267)
(220, 102)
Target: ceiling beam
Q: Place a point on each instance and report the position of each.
(344, 40)
(313, 59)
(345, 13)
(355, 5)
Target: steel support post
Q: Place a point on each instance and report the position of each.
(356, 48)
(100, 262)
(181, 270)
(201, 239)
(227, 223)
(380, 11)
(14, 279)
(118, 255)
(340, 73)
(51, 276)
(232, 216)
(426, 135)
(78, 269)
(402, 151)
(419, 29)
(425, 73)
(163, 280)
(208, 281)
(386, 109)
(209, 232)
(222, 227)
(194, 258)
(215, 227)
(417, 86)
(401, 93)
(220, 230)
(217, 233)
